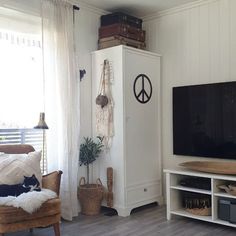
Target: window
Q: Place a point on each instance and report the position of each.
(21, 93)
(21, 83)
(21, 78)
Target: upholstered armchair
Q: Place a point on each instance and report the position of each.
(15, 219)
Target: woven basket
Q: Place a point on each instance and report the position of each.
(200, 211)
(90, 197)
(197, 204)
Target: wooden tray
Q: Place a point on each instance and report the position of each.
(217, 167)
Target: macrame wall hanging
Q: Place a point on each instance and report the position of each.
(104, 107)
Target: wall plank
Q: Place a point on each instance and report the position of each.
(224, 39)
(232, 23)
(198, 46)
(204, 47)
(86, 35)
(86, 42)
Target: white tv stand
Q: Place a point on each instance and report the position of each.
(173, 194)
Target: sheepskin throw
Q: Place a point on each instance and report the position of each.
(30, 201)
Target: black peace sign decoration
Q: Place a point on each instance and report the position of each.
(141, 94)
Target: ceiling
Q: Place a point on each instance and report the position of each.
(138, 8)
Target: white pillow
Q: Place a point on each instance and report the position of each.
(13, 167)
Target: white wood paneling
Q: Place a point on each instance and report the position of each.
(232, 39)
(224, 39)
(198, 46)
(87, 24)
(213, 16)
(204, 62)
(86, 35)
(151, 28)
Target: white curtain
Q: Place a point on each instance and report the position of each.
(61, 99)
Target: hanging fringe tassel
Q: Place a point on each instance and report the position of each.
(104, 116)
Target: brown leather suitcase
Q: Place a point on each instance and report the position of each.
(119, 40)
(120, 17)
(124, 30)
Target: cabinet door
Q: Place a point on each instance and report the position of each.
(142, 88)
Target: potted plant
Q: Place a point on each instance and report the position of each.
(90, 195)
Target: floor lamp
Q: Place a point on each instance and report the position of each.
(42, 125)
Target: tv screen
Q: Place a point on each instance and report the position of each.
(204, 120)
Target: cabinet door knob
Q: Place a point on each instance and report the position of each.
(145, 190)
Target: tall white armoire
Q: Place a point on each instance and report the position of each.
(135, 154)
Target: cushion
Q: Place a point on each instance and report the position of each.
(13, 167)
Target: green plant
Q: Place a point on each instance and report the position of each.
(89, 152)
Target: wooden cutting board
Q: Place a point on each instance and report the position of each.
(216, 167)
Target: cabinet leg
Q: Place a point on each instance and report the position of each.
(123, 211)
(168, 216)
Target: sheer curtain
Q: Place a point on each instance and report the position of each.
(61, 98)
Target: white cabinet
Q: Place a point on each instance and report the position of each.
(174, 197)
(135, 154)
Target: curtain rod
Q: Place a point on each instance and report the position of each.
(75, 7)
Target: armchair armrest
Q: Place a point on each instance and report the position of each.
(52, 181)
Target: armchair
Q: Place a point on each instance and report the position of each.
(15, 219)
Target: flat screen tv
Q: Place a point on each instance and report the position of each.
(204, 120)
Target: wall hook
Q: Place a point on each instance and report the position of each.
(82, 73)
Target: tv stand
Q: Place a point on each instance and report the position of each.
(174, 189)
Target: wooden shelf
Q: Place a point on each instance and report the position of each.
(174, 197)
(194, 190)
(226, 195)
(183, 212)
(223, 222)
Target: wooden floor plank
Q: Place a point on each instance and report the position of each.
(147, 222)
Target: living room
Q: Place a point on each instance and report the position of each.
(187, 43)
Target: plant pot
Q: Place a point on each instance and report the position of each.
(90, 197)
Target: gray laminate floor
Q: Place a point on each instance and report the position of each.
(146, 222)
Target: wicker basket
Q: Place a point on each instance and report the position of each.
(200, 211)
(90, 197)
(197, 203)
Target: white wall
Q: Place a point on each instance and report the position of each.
(87, 24)
(86, 42)
(198, 44)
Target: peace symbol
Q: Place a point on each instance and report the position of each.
(141, 94)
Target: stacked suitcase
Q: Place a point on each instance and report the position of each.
(119, 28)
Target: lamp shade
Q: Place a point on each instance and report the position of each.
(42, 124)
